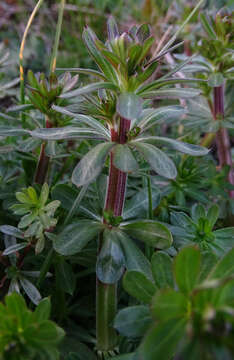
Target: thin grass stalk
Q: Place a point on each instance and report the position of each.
(21, 57)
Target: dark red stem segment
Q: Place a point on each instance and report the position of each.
(106, 296)
(117, 179)
(43, 162)
(222, 136)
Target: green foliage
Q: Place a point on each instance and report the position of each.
(200, 229)
(38, 214)
(26, 334)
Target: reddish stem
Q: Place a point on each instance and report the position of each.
(117, 179)
(106, 296)
(222, 136)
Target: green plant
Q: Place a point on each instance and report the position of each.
(191, 307)
(28, 334)
(199, 229)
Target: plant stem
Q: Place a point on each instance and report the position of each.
(57, 37)
(21, 56)
(222, 136)
(106, 294)
(148, 249)
(45, 267)
(43, 162)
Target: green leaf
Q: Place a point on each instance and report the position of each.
(44, 194)
(89, 88)
(138, 205)
(91, 164)
(110, 262)
(129, 106)
(143, 32)
(65, 194)
(139, 286)
(224, 233)
(76, 236)
(133, 321)
(207, 26)
(84, 71)
(216, 80)
(11, 131)
(190, 149)
(169, 304)
(31, 291)
(90, 40)
(198, 212)
(84, 119)
(151, 232)
(134, 258)
(161, 341)
(12, 231)
(162, 269)
(209, 260)
(170, 93)
(158, 116)
(26, 220)
(65, 277)
(187, 268)
(112, 28)
(157, 159)
(224, 268)
(14, 248)
(68, 132)
(124, 159)
(43, 310)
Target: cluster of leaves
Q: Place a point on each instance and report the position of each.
(25, 334)
(191, 307)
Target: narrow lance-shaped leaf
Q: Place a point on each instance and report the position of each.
(91, 164)
(84, 71)
(170, 93)
(12, 249)
(30, 290)
(89, 88)
(157, 159)
(67, 132)
(159, 115)
(10, 131)
(90, 39)
(190, 149)
(83, 119)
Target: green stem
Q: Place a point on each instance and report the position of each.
(148, 248)
(76, 203)
(106, 304)
(57, 38)
(45, 267)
